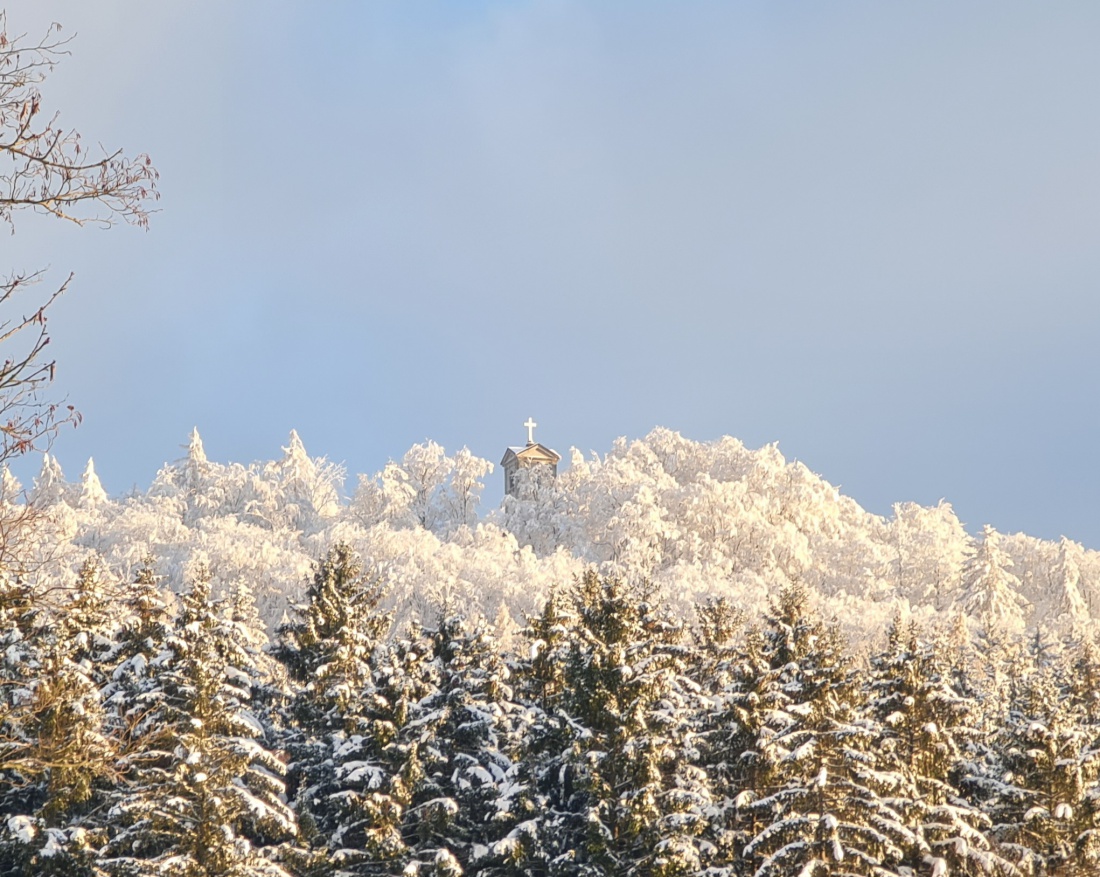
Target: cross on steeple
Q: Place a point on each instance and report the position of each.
(538, 462)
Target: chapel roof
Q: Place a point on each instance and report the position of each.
(534, 452)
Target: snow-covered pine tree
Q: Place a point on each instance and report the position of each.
(1083, 682)
(203, 796)
(460, 810)
(246, 645)
(147, 618)
(817, 781)
(66, 757)
(327, 650)
(191, 480)
(91, 493)
(721, 727)
(342, 772)
(69, 715)
(375, 767)
(327, 647)
(925, 728)
(307, 490)
(542, 736)
(19, 664)
(50, 487)
(1066, 607)
(990, 592)
(1083, 691)
(1048, 804)
(132, 661)
(621, 796)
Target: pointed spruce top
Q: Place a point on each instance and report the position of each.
(91, 488)
(195, 451)
(10, 488)
(295, 448)
(50, 485)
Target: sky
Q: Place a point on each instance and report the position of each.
(866, 231)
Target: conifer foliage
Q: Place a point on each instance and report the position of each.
(611, 754)
(204, 796)
(149, 734)
(819, 792)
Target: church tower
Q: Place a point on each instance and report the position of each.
(539, 459)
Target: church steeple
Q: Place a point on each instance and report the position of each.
(539, 460)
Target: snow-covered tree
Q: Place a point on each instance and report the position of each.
(819, 799)
(203, 796)
(460, 809)
(622, 794)
(927, 730)
(50, 486)
(58, 750)
(344, 781)
(377, 765)
(305, 492)
(133, 659)
(463, 492)
(1066, 608)
(990, 591)
(932, 547)
(19, 662)
(327, 648)
(1047, 803)
(91, 493)
(426, 489)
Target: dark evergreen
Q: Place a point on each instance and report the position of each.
(611, 768)
(66, 758)
(202, 796)
(925, 730)
(725, 673)
(1047, 809)
(818, 788)
(460, 811)
(350, 768)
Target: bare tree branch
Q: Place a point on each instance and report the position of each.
(45, 168)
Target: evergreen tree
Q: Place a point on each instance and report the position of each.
(132, 661)
(990, 590)
(818, 783)
(342, 723)
(203, 796)
(91, 492)
(926, 728)
(621, 796)
(724, 671)
(66, 756)
(459, 810)
(328, 648)
(69, 720)
(541, 738)
(1047, 807)
(375, 766)
(1067, 609)
(20, 662)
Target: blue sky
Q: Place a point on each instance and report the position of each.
(866, 231)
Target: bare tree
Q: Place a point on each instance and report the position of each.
(45, 168)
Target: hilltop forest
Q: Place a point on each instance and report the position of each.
(679, 658)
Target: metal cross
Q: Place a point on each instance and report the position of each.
(530, 424)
